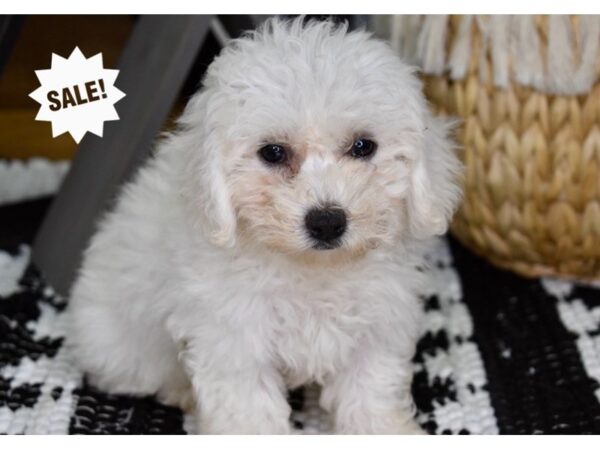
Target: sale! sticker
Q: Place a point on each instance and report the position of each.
(77, 95)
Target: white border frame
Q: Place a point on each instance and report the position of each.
(306, 6)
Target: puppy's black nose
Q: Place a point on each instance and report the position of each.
(326, 224)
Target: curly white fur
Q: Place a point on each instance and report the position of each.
(201, 285)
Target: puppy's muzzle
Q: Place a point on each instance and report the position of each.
(326, 226)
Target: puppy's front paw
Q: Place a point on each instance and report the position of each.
(409, 427)
(392, 423)
(181, 397)
(243, 425)
(399, 423)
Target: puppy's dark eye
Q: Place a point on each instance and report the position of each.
(362, 148)
(273, 153)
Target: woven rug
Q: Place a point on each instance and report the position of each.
(498, 353)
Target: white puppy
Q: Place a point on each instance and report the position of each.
(272, 239)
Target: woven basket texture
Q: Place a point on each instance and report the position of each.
(532, 178)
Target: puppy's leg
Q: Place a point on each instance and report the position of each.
(372, 396)
(177, 390)
(235, 394)
(118, 355)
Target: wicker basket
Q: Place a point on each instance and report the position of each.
(532, 181)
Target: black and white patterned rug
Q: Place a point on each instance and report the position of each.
(498, 354)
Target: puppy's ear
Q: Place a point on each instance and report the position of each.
(435, 190)
(205, 187)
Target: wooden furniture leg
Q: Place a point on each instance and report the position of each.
(153, 68)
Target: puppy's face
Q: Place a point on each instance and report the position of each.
(324, 188)
(315, 143)
(329, 182)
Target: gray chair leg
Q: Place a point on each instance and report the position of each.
(153, 68)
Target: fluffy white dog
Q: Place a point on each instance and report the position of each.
(273, 239)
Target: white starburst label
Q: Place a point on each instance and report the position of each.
(77, 95)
